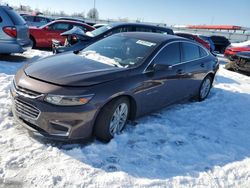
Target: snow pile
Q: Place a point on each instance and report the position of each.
(198, 144)
(100, 58)
(241, 44)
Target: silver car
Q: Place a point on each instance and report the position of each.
(14, 32)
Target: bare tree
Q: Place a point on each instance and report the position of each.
(93, 14)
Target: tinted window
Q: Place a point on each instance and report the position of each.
(190, 51)
(161, 31)
(203, 53)
(60, 26)
(29, 18)
(0, 19)
(144, 29)
(16, 18)
(40, 19)
(100, 30)
(122, 29)
(82, 28)
(170, 55)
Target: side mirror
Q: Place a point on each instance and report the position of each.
(161, 67)
(46, 28)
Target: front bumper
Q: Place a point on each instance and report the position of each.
(51, 121)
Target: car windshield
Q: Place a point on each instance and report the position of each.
(99, 31)
(119, 51)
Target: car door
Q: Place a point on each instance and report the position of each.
(196, 66)
(54, 30)
(164, 87)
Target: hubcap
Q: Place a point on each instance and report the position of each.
(118, 119)
(205, 88)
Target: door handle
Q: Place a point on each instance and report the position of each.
(202, 65)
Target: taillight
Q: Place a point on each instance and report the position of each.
(11, 31)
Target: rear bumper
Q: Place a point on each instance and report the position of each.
(14, 46)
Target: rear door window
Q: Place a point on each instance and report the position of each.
(16, 18)
(60, 26)
(28, 18)
(170, 55)
(143, 29)
(190, 51)
(161, 31)
(40, 19)
(203, 53)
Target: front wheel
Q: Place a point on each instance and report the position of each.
(205, 88)
(112, 119)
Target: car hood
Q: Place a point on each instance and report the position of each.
(69, 69)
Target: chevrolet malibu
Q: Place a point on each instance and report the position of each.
(95, 92)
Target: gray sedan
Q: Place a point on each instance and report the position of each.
(124, 76)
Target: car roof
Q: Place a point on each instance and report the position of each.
(6, 7)
(70, 21)
(152, 37)
(136, 24)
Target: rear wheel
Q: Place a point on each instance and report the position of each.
(32, 42)
(205, 88)
(112, 119)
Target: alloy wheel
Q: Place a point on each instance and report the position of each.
(118, 119)
(205, 88)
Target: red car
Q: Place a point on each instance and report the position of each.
(195, 38)
(42, 36)
(231, 51)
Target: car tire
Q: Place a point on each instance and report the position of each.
(205, 88)
(33, 42)
(112, 119)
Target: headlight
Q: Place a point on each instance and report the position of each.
(68, 100)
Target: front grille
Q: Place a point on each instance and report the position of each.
(26, 109)
(26, 92)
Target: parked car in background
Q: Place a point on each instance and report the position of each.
(75, 96)
(241, 63)
(75, 19)
(196, 38)
(220, 42)
(42, 37)
(105, 31)
(231, 51)
(14, 32)
(209, 40)
(37, 21)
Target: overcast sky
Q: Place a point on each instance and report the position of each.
(233, 12)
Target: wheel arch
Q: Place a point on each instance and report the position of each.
(211, 74)
(34, 40)
(132, 102)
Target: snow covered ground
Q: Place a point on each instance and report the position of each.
(198, 144)
(241, 44)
